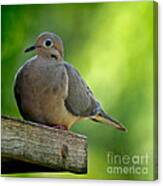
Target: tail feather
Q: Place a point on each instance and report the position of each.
(104, 118)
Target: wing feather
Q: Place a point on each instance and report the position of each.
(80, 100)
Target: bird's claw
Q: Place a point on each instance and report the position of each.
(62, 127)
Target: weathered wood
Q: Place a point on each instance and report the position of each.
(29, 142)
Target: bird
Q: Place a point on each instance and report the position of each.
(50, 91)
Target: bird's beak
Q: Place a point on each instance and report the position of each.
(30, 48)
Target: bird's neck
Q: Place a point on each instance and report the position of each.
(50, 59)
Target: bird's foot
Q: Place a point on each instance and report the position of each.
(62, 127)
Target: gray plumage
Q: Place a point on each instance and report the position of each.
(87, 105)
(51, 91)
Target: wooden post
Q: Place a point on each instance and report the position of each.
(43, 146)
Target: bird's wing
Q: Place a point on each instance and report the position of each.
(80, 100)
(17, 83)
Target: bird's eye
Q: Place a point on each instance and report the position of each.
(48, 43)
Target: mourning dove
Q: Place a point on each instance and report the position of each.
(50, 91)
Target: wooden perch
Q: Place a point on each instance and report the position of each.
(42, 146)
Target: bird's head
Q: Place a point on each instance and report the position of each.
(48, 45)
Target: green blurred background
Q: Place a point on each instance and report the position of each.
(111, 44)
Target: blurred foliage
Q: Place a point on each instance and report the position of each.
(111, 45)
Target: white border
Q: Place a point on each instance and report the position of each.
(69, 182)
(57, 1)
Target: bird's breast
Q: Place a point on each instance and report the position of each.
(43, 91)
(46, 79)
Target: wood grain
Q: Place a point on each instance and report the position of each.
(43, 146)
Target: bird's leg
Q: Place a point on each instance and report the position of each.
(62, 127)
